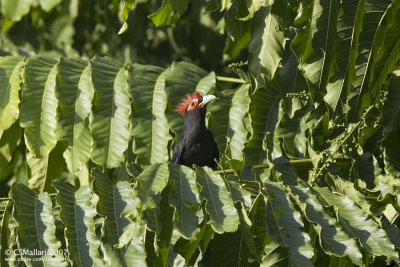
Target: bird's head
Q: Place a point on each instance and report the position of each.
(193, 109)
(193, 103)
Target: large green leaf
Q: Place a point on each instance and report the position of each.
(219, 203)
(359, 225)
(149, 126)
(111, 111)
(10, 80)
(39, 105)
(266, 47)
(386, 53)
(285, 227)
(313, 44)
(149, 183)
(331, 236)
(185, 199)
(113, 200)
(373, 13)
(77, 214)
(238, 114)
(74, 92)
(36, 227)
(349, 26)
(264, 108)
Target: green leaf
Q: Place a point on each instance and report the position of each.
(368, 168)
(239, 194)
(74, 92)
(386, 53)
(391, 153)
(332, 238)
(9, 141)
(36, 227)
(359, 225)
(237, 131)
(248, 250)
(291, 133)
(393, 232)
(264, 108)
(156, 106)
(135, 235)
(313, 44)
(189, 249)
(229, 249)
(386, 184)
(185, 199)
(293, 85)
(113, 200)
(346, 188)
(219, 203)
(42, 171)
(266, 47)
(10, 80)
(218, 119)
(39, 105)
(15, 10)
(149, 124)
(391, 109)
(368, 38)
(77, 214)
(206, 84)
(5, 231)
(164, 228)
(169, 12)
(111, 111)
(285, 227)
(128, 5)
(236, 28)
(150, 182)
(349, 26)
(48, 5)
(247, 8)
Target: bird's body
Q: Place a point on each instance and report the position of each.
(196, 145)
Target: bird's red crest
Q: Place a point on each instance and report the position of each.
(181, 107)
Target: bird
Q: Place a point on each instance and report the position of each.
(196, 145)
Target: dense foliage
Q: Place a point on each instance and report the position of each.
(307, 122)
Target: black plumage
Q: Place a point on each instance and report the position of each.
(196, 145)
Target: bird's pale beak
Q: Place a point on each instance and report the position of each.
(207, 99)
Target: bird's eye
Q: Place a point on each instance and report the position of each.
(192, 104)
